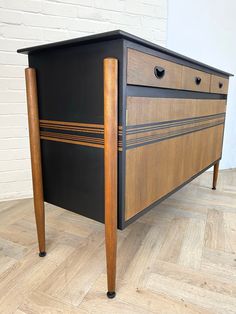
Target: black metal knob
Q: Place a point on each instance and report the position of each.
(220, 84)
(198, 80)
(159, 72)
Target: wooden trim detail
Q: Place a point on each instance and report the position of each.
(34, 136)
(84, 134)
(72, 124)
(110, 68)
(68, 141)
(160, 131)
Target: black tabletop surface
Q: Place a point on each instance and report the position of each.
(116, 34)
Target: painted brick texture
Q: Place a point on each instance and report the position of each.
(33, 22)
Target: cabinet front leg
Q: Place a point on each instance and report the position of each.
(215, 174)
(34, 136)
(110, 67)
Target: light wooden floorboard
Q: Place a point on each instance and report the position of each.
(178, 258)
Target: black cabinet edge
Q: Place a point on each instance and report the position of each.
(116, 34)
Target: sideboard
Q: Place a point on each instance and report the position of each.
(116, 125)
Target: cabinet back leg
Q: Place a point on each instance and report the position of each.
(110, 165)
(34, 136)
(215, 175)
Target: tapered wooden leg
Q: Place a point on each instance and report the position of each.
(215, 175)
(110, 165)
(34, 135)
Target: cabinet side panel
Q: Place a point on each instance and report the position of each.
(73, 178)
(71, 111)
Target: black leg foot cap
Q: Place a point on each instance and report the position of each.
(213, 188)
(42, 254)
(111, 295)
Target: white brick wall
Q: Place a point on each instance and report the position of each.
(32, 22)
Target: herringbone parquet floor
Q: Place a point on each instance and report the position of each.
(178, 258)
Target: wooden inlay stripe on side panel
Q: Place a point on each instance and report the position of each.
(84, 134)
(154, 170)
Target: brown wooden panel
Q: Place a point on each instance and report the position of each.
(141, 110)
(137, 136)
(154, 170)
(190, 76)
(140, 71)
(219, 84)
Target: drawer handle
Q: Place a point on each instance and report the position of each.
(198, 80)
(221, 84)
(159, 72)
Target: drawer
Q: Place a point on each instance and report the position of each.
(219, 84)
(146, 70)
(195, 80)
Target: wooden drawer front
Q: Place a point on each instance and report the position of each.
(219, 84)
(142, 67)
(195, 80)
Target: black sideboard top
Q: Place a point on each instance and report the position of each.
(117, 34)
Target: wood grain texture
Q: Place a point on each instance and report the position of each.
(34, 136)
(154, 170)
(151, 133)
(142, 110)
(60, 139)
(215, 175)
(189, 76)
(196, 225)
(140, 70)
(84, 134)
(110, 162)
(219, 84)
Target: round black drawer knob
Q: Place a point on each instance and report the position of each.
(159, 72)
(198, 80)
(220, 84)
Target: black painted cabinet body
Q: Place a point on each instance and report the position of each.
(70, 90)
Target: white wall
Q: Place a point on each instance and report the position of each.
(206, 31)
(32, 22)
